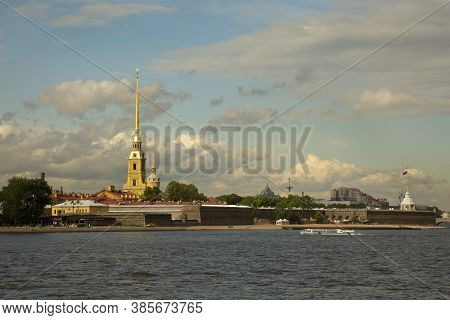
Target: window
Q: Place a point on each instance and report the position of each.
(134, 183)
(134, 166)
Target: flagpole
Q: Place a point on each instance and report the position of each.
(407, 178)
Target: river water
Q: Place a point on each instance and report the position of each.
(231, 264)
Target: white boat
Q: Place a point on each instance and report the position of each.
(328, 232)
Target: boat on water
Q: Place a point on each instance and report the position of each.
(327, 232)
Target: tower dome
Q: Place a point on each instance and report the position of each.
(267, 192)
(407, 203)
(153, 180)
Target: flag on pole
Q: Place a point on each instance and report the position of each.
(405, 172)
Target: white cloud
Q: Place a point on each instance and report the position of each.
(388, 103)
(76, 98)
(383, 100)
(88, 14)
(89, 152)
(6, 130)
(323, 171)
(375, 179)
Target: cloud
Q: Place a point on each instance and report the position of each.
(307, 42)
(324, 171)
(5, 131)
(388, 103)
(34, 9)
(89, 14)
(216, 102)
(375, 179)
(251, 92)
(90, 152)
(242, 116)
(76, 98)
(308, 50)
(381, 102)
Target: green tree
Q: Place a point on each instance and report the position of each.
(306, 202)
(320, 217)
(152, 194)
(23, 200)
(177, 191)
(292, 215)
(264, 201)
(248, 201)
(231, 199)
(294, 201)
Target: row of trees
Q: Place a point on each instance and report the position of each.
(289, 202)
(283, 205)
(292, 201)
(175, 191)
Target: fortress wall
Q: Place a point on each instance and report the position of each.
(130, 220)
(132, 215)
(402, 217)
(346, 214)
(159, 220)
(222, 215)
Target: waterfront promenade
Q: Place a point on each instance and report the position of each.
(203, 228)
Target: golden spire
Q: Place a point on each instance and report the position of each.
(153, 167)
(137, 101)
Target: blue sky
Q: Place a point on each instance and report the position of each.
(252, 58)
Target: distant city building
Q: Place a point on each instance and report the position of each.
(348, 194)
(356, 196)
(382, 203)
(331, 202)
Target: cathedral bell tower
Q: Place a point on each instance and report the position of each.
(136, 161)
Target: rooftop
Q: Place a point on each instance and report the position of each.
(79, 203)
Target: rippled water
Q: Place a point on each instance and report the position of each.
(394, 264)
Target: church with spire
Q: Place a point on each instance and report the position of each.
(136, 177)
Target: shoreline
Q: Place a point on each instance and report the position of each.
(5, 230)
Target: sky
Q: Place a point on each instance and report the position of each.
(234, 63)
